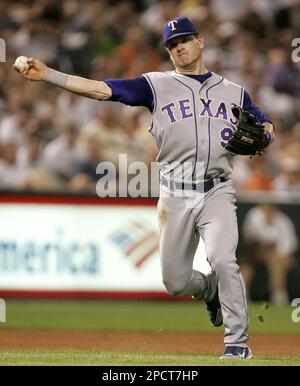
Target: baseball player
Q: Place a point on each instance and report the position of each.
(193, 124)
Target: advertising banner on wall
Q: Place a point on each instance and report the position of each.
(85, 248)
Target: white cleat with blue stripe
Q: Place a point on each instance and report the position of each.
(237, 352)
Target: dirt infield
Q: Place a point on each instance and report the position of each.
(167, 342)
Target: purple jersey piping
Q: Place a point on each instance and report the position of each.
(195, 118)
(154, 97)
(242, 97)
(208, 127)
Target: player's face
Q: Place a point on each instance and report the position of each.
(185, 50)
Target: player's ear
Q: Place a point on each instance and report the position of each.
(200, 39)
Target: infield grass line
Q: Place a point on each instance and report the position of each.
(105, 358)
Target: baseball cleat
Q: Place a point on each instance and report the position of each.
(236, 352)
(214, 310)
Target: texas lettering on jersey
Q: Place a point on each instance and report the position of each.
(183, 109)
(192, 122)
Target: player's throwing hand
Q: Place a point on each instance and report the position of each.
(35, 69)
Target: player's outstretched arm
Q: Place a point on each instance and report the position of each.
(38, 71)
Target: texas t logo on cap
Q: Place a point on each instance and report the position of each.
(172, 24)
(178, 27)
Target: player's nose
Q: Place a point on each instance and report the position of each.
(180, 46)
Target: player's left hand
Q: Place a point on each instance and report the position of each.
(249, 137)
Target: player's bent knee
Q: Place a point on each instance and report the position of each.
(175, 288)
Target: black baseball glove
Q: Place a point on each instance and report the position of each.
(249, 137)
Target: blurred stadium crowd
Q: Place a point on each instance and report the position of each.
(52, 140)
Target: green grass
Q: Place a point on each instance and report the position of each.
(101, 358)
(135, 316)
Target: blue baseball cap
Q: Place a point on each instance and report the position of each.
(178, 27)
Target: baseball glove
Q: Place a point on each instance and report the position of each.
(249, 137)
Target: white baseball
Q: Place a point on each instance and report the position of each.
(21, 63)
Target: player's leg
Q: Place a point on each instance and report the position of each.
(179, 239)
(218, 227)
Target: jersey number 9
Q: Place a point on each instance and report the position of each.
(226, 135)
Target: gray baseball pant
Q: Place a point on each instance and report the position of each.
(213, 217)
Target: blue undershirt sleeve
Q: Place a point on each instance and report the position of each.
(132, 92)
(253, 109)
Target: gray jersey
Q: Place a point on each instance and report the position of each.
(192, 123)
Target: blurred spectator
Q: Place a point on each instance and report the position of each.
(29, 154)
(289, 179)
(270, 240)
(107, 126)
(37, 39)
(259, 178)
(140, 145)
(228, 10)
(63, 152)
(11, 172)
(132, 64)
(248, 42)
(282, 74)
(288, 159)
(80, 110)
(84, 173)
(157, 14)
(12, 128)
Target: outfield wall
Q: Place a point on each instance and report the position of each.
(81, 247)
(85, 247)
